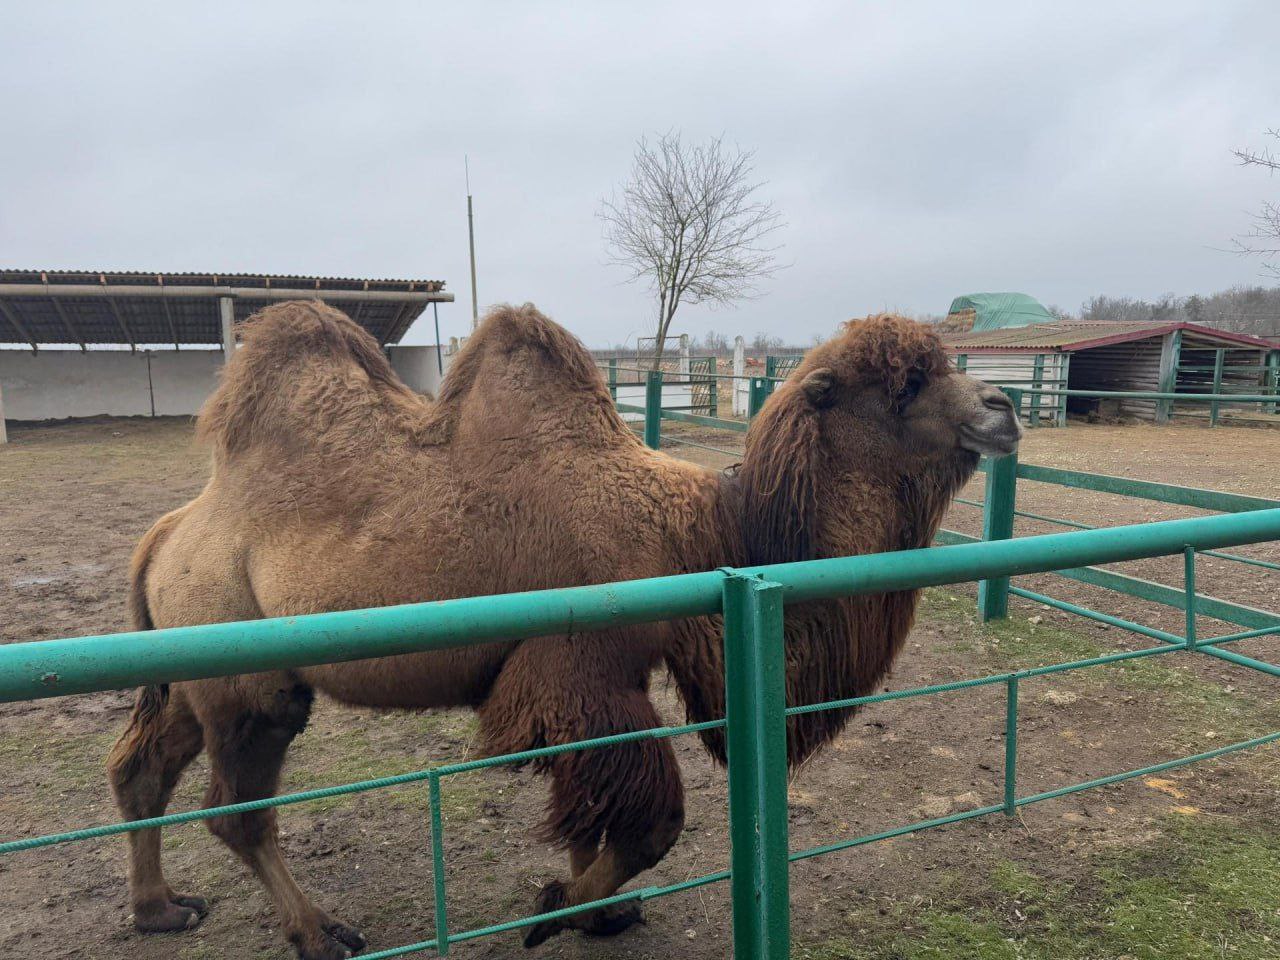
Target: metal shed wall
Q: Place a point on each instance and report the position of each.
(1134, 365)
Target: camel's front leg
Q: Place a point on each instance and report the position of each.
(629, 794)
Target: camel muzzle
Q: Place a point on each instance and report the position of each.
(994, 430)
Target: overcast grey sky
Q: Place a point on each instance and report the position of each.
(915, 150)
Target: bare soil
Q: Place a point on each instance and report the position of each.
(75, 497)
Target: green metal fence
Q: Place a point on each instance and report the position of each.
(752, 603)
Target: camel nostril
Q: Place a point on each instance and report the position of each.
(997, 401)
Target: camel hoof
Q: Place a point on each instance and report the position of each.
(170, 916)
(550, 897)
(601, 922)
(336, 941)
(348, 936)
(611, 921)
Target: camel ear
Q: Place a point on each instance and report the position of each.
(819, 387)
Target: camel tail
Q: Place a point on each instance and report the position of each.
(145, 723)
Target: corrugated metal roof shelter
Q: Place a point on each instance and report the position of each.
(40, 308)
(1146, 356)
(996, 311)
(1071, 336)
(89, 307)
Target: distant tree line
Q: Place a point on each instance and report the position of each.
(1254, 310)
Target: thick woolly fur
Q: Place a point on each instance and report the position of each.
(335, 487)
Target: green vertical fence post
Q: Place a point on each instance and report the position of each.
(1064, 360)
(1189, 580)
(770, 374)
(613, 378)
(713, 395)
(997, 524)
(1011, 746)
(962, 362)
(1218, 357)
(653, 409)
(755, 705)
(756, 396)
(1273, 381)
(1037, 383)
(437, 865)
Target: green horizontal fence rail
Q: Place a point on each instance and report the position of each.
(752, 602)
(1267, 402)
(999, 513)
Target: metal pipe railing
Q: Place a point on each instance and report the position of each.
(1160, 395)
(46, 668)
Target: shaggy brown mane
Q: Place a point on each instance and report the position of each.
(883, 348)
(786, 461)
(836, 648)
(779, 480)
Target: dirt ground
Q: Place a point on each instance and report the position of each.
(1106, 873)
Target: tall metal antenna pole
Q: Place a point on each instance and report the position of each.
(471, 240)
(435, 312)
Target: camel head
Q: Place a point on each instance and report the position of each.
(865, 444)
(883, 388)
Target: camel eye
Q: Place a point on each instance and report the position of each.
(910, 390)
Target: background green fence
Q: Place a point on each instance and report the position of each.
(1218, 383)
(1041, 385)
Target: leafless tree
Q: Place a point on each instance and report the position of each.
(688, 221)
(715, 343)
(1263, 240)
(763, 342)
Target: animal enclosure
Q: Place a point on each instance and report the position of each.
(993, 682)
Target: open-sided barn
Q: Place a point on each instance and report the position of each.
(163, 337)
(1164, 357)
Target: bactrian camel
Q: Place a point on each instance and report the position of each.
(335, 487)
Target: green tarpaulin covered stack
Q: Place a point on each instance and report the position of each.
(996, 311)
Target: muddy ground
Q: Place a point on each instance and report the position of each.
(1185, 864)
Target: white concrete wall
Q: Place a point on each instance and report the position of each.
(56, 384)
(183, 379)
(418, 367)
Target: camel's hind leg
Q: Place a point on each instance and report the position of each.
(247, 735)
(162, 738)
